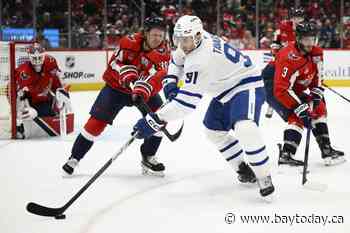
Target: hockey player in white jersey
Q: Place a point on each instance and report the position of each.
(205, 64)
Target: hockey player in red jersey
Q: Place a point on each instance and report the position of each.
(298, 96)
(40, 95)
(284, 35)
(141, 60)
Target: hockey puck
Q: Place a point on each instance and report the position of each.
(62, 216)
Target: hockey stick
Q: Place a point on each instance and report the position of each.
(143, 107)
(63, 123)
(41, 210)
(310, 185)
(334, 91)
(306, 156)
(63, 117)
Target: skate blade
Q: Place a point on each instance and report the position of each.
(148, 172)
(269, 198)
(66, 175)
(332, 162)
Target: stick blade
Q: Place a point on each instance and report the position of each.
(175, 136)
(43, 210)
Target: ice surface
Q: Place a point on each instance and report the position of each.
(198, 190)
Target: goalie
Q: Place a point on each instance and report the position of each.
(43, 104)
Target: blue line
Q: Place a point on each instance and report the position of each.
(256, 151)
(228, 146)
(260, 163)
(235, 155)
(185, 103)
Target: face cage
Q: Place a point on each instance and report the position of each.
(36, 59)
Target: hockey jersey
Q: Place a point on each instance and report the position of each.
(296, 73)
(151, 65)
(213, 68)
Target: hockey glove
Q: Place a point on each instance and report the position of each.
(127, 74)
(142, 91)
(147, 126)
(28, 113)
(303, 112)
(62, 98)
(317, 95)
(170, 87)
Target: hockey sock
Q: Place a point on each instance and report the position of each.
(248, 133)
(292, 138)
(227, 145)
(150, 146)
(85, 140)
(81, 147)
(320, 131)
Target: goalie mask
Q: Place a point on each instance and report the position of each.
(188, 33)
(36, 56)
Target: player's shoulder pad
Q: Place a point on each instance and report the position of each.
(50, 63)
(50, 60)
(131, 42)
(160, 54)
(24, 72)
(24, 67)
(290, 54)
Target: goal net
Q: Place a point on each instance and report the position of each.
(12, 54)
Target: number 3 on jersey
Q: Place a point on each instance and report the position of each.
(284, 72)
(191, 77)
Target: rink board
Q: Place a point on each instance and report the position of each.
(83, 70)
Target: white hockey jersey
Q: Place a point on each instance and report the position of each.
(214, 68)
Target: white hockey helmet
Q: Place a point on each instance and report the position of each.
(188, 26)
(36, 55)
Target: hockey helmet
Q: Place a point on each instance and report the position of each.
(306, 35)
(36, 55)
(154, 22)
(188, 26)
(305, 28)
(297, 12)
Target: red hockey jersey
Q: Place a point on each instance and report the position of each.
(151, 65)
(39, 84)
(295, 73)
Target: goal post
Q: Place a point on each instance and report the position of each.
(12, 54)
